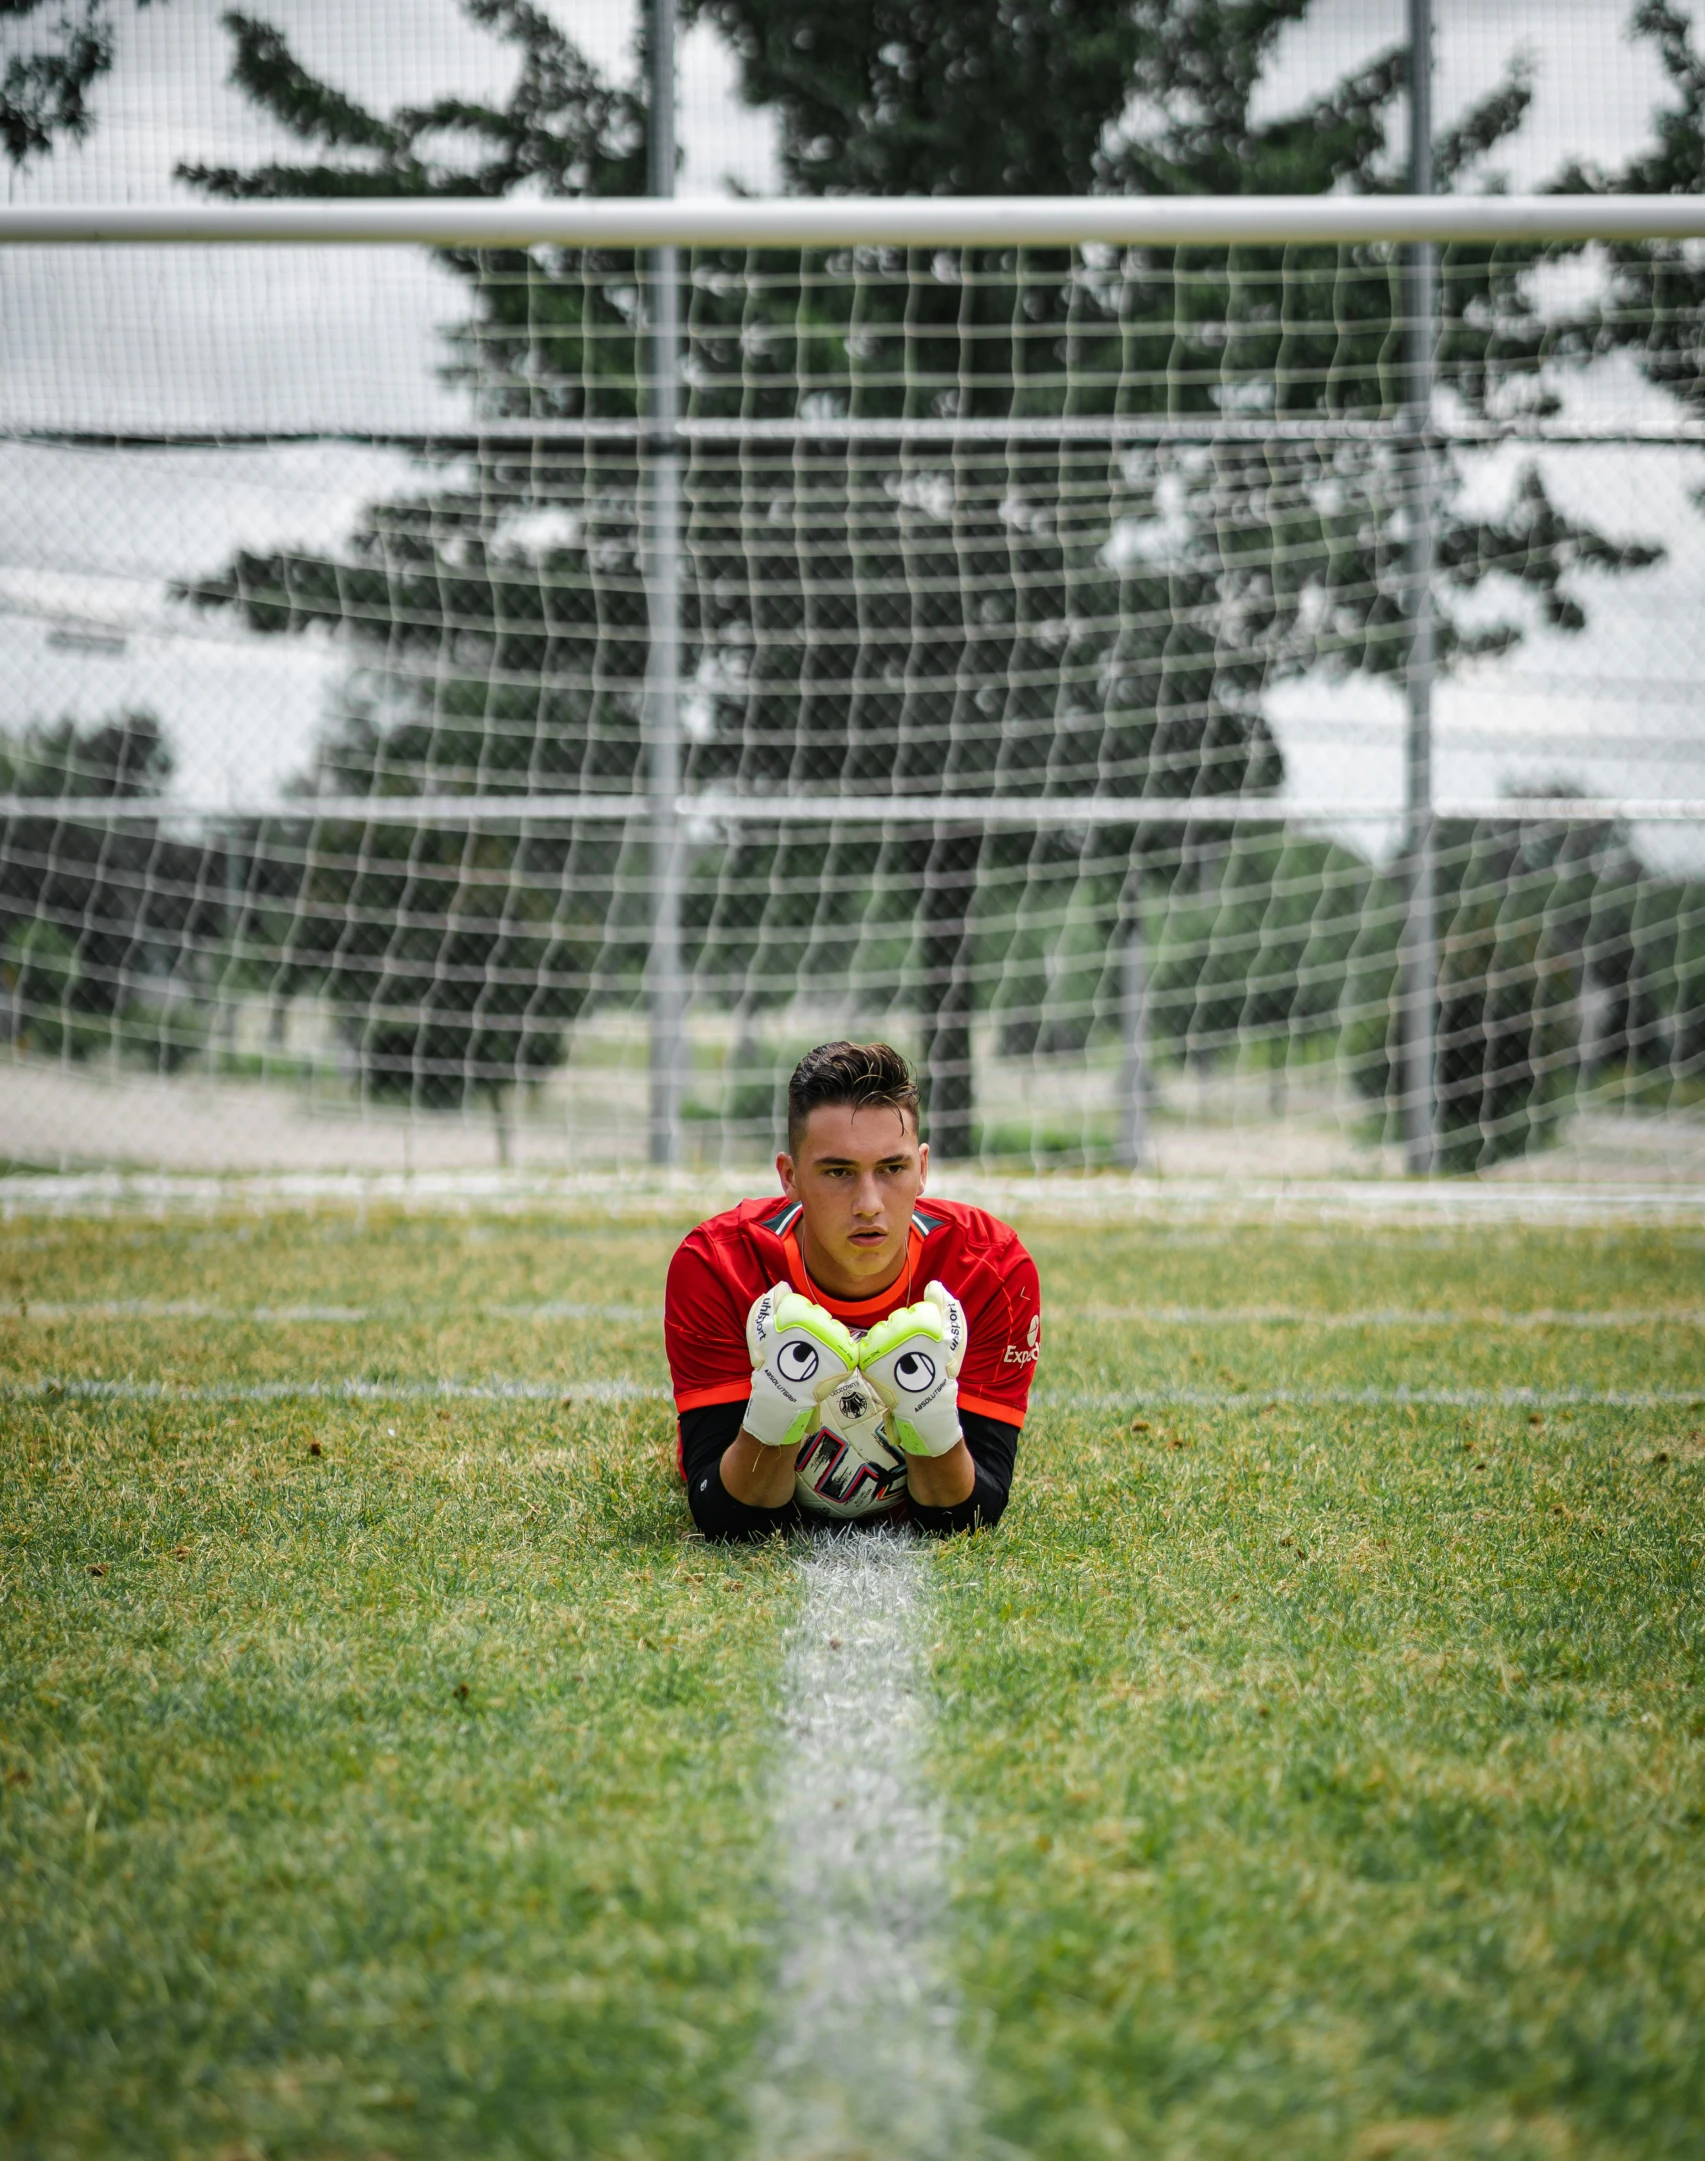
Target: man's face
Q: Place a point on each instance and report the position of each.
(857, 1177)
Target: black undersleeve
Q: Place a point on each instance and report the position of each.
(993, 1445)
(706, 1434)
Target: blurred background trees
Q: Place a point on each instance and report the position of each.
(98, 918)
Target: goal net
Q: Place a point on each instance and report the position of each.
(1208, 708)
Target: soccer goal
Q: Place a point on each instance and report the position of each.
(1216, 681)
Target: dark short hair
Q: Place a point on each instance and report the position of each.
(860, 1075)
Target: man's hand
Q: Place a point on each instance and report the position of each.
(799, 1353)
(913, 1360)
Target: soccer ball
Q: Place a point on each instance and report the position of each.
(848, 1467)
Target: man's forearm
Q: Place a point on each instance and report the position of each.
(761, 1477)
(942, 1481)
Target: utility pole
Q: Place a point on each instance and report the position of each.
(1420, 953)
(661, 544)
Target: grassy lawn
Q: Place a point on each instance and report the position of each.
(1330, 1781)
(400, 1797)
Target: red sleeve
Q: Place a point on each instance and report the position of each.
(1003, 1312)
(704, 1330)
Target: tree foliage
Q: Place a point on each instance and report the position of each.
(1563, 962)
(45, 94)
(1657, 289)
(98, 917)
(455, 955)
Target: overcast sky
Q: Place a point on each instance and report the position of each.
(280, 339)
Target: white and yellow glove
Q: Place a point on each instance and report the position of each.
(799, 1353)
(913, 1360)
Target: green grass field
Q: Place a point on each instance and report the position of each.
(385, 1774)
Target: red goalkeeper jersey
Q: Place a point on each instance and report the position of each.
(726, 1263)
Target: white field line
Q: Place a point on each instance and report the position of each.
(352, 1389)
(1394, 1317)
(194, 1309)
(558, 1309)
(1319, 1399)
(683, 1197)
(642, 1196)
(864, 2059)
(75, 1388)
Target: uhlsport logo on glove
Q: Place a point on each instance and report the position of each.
(914, 1371)
(912, 1360)
(797, 1360)
(799, 1354)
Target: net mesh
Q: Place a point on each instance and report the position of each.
(1045, 638)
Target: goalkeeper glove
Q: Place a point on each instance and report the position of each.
(913, 1360)
(799, 1353)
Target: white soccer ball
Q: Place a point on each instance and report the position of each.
(848, 1467)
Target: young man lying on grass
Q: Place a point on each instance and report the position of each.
(840, 1351)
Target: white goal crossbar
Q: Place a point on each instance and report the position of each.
(1033, 221)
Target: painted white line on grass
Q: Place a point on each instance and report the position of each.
(192, 1309)
(865, 2058)
(638, 1195)
(1320, 1399)
(1395, 1317)
(175, 1309)
(86, 1389)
